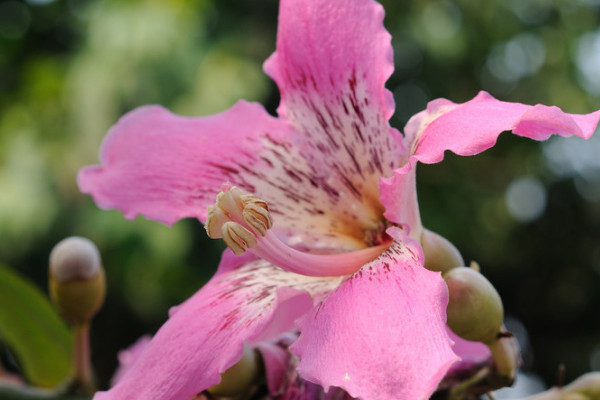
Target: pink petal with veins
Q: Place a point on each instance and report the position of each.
(205, 335)
(167, 167)
(332, 61)
(382, 333)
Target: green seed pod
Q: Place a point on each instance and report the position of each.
(440, 254)
(474, 308)
(240, 377)
(76, 279)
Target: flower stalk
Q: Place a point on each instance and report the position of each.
(505, 355)
(83, 379)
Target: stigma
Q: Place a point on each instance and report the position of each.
(244, 223)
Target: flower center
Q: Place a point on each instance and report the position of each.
(243, 221)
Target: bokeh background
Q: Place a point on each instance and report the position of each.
(529, 213)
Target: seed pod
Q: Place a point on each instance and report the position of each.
(474, 308)
(240, 377)
(440, 254)
(76, 279)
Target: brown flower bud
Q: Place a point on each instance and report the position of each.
(76, 278)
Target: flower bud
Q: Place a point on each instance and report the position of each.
(440, 254)
(474, 308)
(240, 377)
(76, 278)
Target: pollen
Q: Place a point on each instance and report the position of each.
(256, 214)
(238, 218)
(237, 238)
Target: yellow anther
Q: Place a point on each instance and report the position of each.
(233, 205)
(257, 215)
(214, 221)
(230, 201)
(238, 238)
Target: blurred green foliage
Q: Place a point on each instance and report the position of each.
(70, 68)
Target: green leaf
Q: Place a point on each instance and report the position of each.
(8, 392)
(31, 327)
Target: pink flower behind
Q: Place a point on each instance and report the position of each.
(323, 200)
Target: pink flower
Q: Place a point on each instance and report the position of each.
(128, 357)
(324, 205)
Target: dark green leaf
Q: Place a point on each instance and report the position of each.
(28, 393)
(30, 326)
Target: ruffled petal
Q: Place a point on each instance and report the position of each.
(382, 334)
(205, 335)
(318, 168)
(168, 167)
(472, 127)
(332, 61)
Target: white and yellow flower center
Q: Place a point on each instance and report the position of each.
(244, 223)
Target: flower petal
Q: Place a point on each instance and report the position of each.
(168, 167)
(332, 61)
(382, 334)
(205, 335)
(319, 174)
(398, 195)
(283, 380)
(128, 357)
(472, 127)
(468, 351)
(276, 359)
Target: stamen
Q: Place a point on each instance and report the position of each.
(214, 221)
(272, 249)
(256, 214)
(234, 205)
(238, 238)
(243, 221)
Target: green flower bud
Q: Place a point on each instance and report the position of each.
(474, 308)
(76, 279)
(440, 254)
(240, 377)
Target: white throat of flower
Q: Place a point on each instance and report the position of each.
(243, 221)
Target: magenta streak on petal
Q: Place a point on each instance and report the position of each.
(382, 333)
(331, 64)
(205, 335)
(318, 169)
